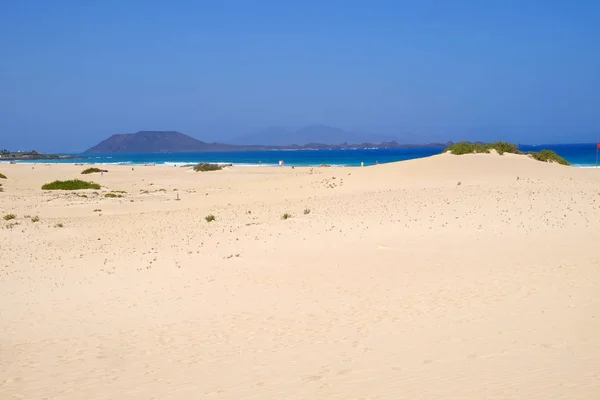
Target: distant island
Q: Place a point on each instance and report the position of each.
(6, 155)
(177, 142)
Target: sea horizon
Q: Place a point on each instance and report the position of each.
(581, 155)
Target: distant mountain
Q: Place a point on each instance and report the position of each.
(322, 134)
(271, 136)
(176, 142)
(154, 142)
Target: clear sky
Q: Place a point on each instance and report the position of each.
(75, 72)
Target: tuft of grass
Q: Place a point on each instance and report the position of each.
(97, 210)
(548, 156)
(286, 216)
(8, 217)
(501, 148)
(1, 188)
(210, 218)
(2, 176)
(203, 167)
(59, 225)
(35, 219)
(476, 148)
(112, 195)
(74, 184)
(306, 211)
(91, 171)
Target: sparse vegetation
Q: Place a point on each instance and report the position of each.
(74, 184)
(8, 217)
(1, 188)
(35, 219)
(59, 225)
(2, 176)
(548, 156)
(112, 195)
(97, 210)
(501, 148)
(306, 211)
(210, 218)
(91, 170)
(471, 148)
(286, 216)
(203, 167)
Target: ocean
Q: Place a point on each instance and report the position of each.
(579, 155)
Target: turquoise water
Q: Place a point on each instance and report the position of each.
(580, 155)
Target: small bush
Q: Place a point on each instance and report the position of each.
(97, 210)
(91, 171)
(74, 184)
(8, 217)
(548, 156)
(306, 211)
(475, 148)
(1, 188)
(2, 176)
(286, 216)
(59, 225)
(112, 195)
(210, 218)
(203, 167)
(35, 219)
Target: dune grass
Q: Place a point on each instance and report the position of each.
(501, 148)
(474, 148)
(2, 176)
(210, 218)
(286, 216)
(203, 167)
(113, 195)
(8, 217)
(548, 156)
(91, 170)
(74, 184)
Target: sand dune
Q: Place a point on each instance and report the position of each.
(452, 277)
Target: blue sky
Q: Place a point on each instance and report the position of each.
(73, 72)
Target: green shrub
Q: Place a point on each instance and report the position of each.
(74, 184)
(286, 216)
(203, 167)
(91, 170)
(548, 156)
(471, 148)
(35, 219)
(8, 217)
(2, 176)
(466, 148)
(112, 195)
(210, 218)
(306, 211)
(501, 148)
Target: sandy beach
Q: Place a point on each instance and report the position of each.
(450, 277)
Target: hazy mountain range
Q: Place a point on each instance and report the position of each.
(278, 136)
(315, 137)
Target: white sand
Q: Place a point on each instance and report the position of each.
(399, 284)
